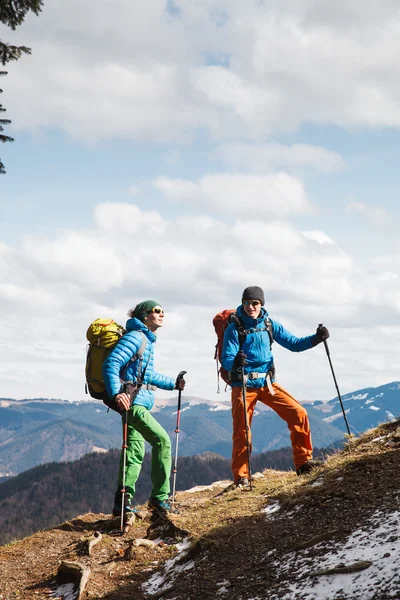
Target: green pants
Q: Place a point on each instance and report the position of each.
(143, 426)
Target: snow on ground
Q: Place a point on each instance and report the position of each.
(182, 410)
(355, 397)
(222, 406)
(379, 543)
(67, 591)
(163, 580)
(333, 418)
(272, 508)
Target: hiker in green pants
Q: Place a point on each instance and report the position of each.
(130, 379)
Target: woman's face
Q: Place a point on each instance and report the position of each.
(155, 318)
(252, 308)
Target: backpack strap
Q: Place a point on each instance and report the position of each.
(138, 355)
(269, 328)
(242, 332)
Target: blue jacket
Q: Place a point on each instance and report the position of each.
(117, 367)
(257, 345)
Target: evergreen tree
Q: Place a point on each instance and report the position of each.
(12, 14)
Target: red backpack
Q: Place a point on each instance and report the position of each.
(221, 322)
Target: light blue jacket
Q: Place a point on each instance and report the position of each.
(117, 367)
(257, 346)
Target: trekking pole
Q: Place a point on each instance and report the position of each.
(124, 448)
(178, 421)
(247, 426)
(337, 388)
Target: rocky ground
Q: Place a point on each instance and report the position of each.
(331, 535)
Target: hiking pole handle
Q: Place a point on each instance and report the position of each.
(180, 376)
(325, 342)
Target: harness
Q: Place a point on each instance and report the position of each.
(236, 376)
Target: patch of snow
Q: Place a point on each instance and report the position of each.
(163, 580)
(272, 508)
(222, 406)
(318, 482)
(67, 591)
(182, 410)
(334, 417)
(382, 437)
(223, 587)
(356, 397)
(374, 407)
(377, 542)
(370, 401)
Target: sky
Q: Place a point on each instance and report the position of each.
(183, 151)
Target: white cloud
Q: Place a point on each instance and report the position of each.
(267, 157)
(134, 70)
(247, 196)
(195, 266)
(377, 215)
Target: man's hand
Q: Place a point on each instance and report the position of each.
(123, 401)
(240, 360)
(179, 383)
(322, 333)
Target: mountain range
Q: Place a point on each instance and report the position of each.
(38, 431)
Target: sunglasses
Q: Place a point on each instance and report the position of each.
(158, 311)
(254, 303)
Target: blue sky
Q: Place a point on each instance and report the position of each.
(190, 151)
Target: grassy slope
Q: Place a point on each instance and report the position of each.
(237, 550)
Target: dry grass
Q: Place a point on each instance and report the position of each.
(231, 536)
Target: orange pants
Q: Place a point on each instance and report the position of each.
(286, 407)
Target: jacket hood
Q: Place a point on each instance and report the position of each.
(135, 324)
(248, 320)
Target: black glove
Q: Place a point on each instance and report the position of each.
(322, 333)
(179, 383)
(240, 360)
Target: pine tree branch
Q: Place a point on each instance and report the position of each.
(9, 52)
(12, 12)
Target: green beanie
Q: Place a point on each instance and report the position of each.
(143, 308)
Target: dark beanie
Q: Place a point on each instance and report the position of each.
(143, 308)
(253, 293)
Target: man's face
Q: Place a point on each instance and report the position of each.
(252, 308)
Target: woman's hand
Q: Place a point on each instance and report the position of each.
(123, 401)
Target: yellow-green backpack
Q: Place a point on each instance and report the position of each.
(102, 335)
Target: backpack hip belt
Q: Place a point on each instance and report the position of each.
(255, 375)
(133, 388)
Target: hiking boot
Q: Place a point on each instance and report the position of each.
(308, 466)
(162, 506)
(243, 483)
(128, 508)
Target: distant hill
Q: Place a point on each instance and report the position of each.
(364, 408)
(37, 431)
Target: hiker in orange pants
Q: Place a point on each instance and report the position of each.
(247, 345)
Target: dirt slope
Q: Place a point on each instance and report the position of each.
(332, 535)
